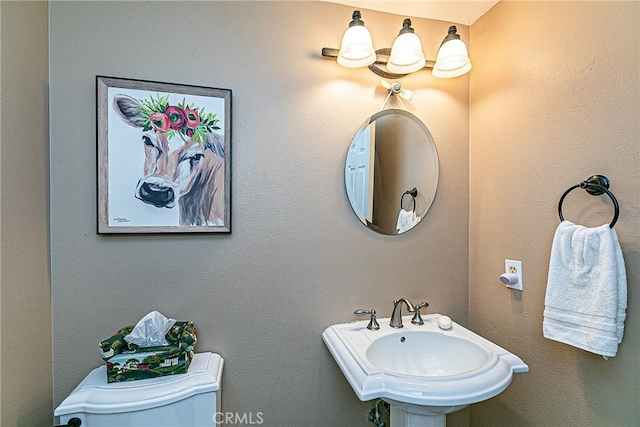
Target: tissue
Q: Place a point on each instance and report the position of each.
(150, 331)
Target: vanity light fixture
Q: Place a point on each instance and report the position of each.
(356, 50)
(453, 57)
(404, 57)
(406, 53)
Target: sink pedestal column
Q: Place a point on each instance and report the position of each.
(408, 415)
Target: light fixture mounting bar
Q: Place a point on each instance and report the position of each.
(381, 58)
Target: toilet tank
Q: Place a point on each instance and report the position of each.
(182, 400)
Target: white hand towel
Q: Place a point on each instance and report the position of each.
(586, 298)
(406, 220)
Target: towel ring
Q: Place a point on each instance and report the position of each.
(413, 193)
(595, 185)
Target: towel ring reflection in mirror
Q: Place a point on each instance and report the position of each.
(595, 185)
(413, 193)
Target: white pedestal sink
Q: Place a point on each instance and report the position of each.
(423, 372)
(408, 415)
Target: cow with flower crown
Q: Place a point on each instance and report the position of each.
(184, 157)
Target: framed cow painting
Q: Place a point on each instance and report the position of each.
(164, 157)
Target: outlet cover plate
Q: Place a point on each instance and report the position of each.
(515, 267)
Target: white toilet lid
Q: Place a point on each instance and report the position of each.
(94, 395)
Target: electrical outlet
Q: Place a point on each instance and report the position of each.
(514, 267)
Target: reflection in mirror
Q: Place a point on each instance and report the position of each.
(391, 171)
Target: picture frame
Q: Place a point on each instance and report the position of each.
(163, 157)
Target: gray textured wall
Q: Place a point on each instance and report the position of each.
(546, 113)
(25, 304)
(298, 259)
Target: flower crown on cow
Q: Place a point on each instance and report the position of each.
(184, 119)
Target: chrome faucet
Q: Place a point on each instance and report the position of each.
(396, 316)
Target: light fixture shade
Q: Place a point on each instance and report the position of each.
(406, 53)
(356, 50)
(453, 57)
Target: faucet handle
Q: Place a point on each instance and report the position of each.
(417, 318)
(373, 323)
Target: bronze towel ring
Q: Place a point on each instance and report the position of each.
(595, 185)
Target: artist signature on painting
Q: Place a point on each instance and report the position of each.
(120, 220)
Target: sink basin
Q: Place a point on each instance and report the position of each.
(426, 353)
(421, 368)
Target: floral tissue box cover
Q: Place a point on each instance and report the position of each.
(128, 362)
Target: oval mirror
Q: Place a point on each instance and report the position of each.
(391, 171)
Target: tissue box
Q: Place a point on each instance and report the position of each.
(128, 362)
